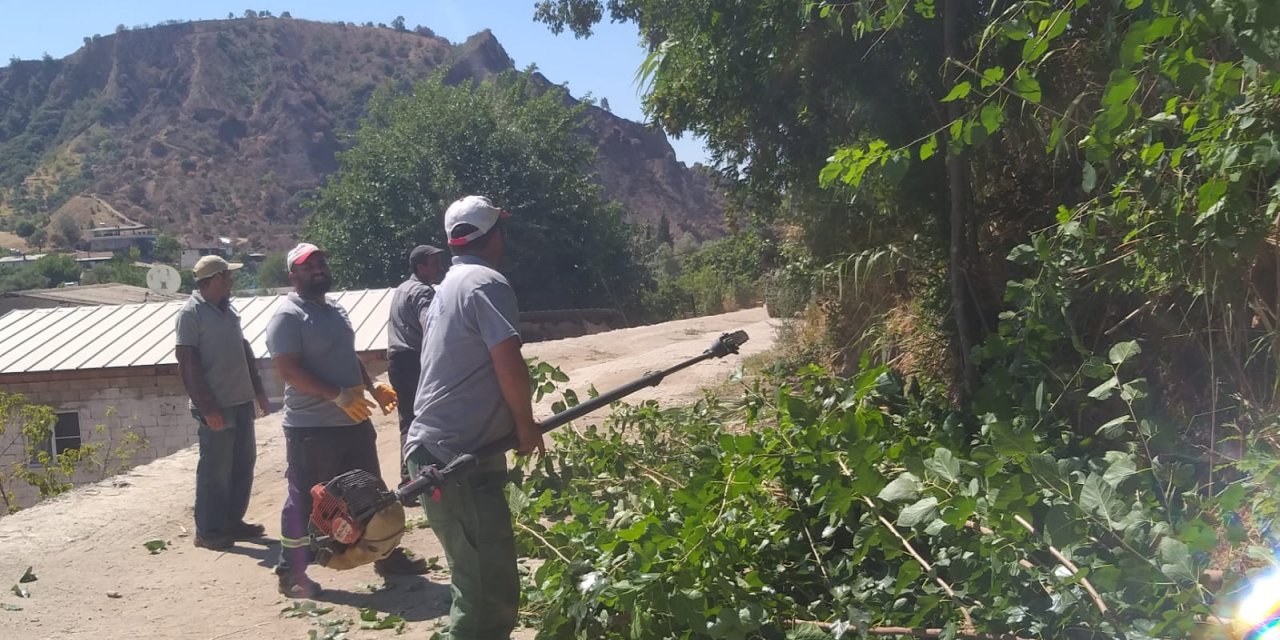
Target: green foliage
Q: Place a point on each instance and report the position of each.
(273, 273)
(23, 426)
(57, 268)
(848, 502)
(122, 269)
(718, 276)
(167, 249)
(417, 153)
(47, 271)
(25, 430)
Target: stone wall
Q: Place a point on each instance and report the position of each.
(149, 401)
(539, 326)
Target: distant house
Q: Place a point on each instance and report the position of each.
(122, 238)
(20, 259)
(85, 258)
(191, 255)
(80, 296)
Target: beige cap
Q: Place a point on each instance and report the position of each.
(212, 266)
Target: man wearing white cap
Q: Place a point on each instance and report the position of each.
(222, 380)
(474, 390)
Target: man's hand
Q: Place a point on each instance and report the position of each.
(530, 439)
(385, 396)
(214, 420)
(353, 403)
(264, 405)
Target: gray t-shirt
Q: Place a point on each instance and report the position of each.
(322, 335)
(408, 303)
(459, 406)
(215, 333)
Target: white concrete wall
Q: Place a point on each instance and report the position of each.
(152, 406)
(150, 401)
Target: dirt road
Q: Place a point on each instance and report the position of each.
(96, 579)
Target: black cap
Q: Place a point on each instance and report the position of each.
(421, 252)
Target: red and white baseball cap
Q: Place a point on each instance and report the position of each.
(300, 253)
(476, 211)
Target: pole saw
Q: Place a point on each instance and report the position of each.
(355, 519)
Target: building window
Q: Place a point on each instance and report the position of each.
(65, 435)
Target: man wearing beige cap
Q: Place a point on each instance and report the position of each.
(219, 371)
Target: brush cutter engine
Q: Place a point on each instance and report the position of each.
(354, 520)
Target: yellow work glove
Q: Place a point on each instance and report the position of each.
(353, 403)
(386, 397)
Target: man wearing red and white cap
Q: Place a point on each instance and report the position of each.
(474, 390)
(326, 413)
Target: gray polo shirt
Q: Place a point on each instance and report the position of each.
(215, 333)
(322, 335)
(408, 303)
(459, 405)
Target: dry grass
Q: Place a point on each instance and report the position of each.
(12, 241)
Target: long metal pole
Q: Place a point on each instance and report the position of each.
(430, 478)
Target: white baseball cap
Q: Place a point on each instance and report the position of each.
(476, 211)
(300, 253)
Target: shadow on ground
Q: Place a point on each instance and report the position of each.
(265, 551)
(413, 598)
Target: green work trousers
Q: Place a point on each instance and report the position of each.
(471, 519)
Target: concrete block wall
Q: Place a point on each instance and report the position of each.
(150, 401)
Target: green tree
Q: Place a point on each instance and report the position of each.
(272, 273)
(57, 268)
(415, 154)
(120, 269)
(23, 428)
(398, 23)
(20, 279)
(167, 249)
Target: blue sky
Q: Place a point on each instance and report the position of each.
(603, 65)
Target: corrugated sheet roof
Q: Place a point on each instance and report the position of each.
(136, 335)
(91, 294)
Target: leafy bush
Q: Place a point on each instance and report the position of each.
(820, 505)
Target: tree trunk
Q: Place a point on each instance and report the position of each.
(960, 219)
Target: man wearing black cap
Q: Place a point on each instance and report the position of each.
(404, 331)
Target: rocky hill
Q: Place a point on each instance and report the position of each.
(224, 127)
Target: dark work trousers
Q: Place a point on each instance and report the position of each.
(472, 520)
(316, 455)
(403, 370)
(224, 474)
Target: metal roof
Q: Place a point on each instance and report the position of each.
(138, 335)
(94, 294)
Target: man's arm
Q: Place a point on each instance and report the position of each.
(513, 378)
(290, 367)
(364, 375)
(259, 391)
(192, 374)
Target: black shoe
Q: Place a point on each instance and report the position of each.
(398, 563)
(298, 585)
(217, 542)
(245, 531)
